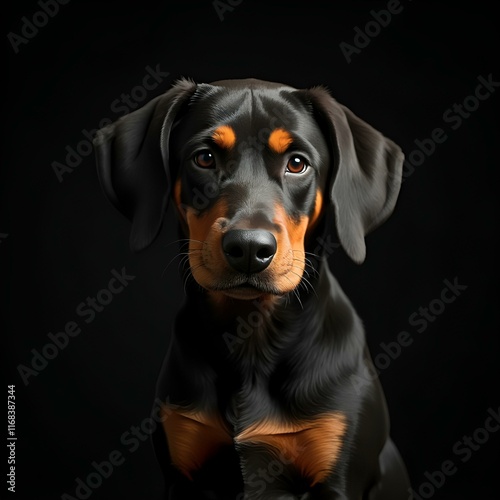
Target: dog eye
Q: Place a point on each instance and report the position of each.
(204, 159)
(296, 165)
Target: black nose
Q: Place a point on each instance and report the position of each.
(249, 250)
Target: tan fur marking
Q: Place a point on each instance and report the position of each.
(314, 446)
(289, 262)
(279, 140)
(317, 210)
(224, 137)
(200, 225)
(205, 250)
(207, 260)
(177, 192)
(178, 199)
(193, 437)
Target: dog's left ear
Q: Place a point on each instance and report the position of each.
(367, 171)
(133, 162)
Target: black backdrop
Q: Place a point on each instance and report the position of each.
(60, 240)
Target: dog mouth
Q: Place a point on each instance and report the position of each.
(246, 288)
(243, 292)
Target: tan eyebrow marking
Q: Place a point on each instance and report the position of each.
(224, 137)
(279, 140)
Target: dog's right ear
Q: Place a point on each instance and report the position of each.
(133, 162)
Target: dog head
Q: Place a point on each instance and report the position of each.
(252, 166)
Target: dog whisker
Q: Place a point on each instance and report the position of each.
(295, 292)
(307, 261)
(180, 254)
(305, 282)
(313, 255)
(301, 267)
(189, 274)
(183, 262)
(184, 241)
(306, 265)
(314, 271)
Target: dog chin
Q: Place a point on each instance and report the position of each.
(244, 293)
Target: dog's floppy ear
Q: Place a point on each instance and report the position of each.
(367, 172)
(133, 162)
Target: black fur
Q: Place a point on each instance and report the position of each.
(302, 354)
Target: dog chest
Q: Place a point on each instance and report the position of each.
(311, 447)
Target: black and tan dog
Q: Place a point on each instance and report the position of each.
(257, 382)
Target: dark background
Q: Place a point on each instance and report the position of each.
(63, 238)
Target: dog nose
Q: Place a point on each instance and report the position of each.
(249, 250)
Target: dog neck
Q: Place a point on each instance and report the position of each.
(255, 335)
